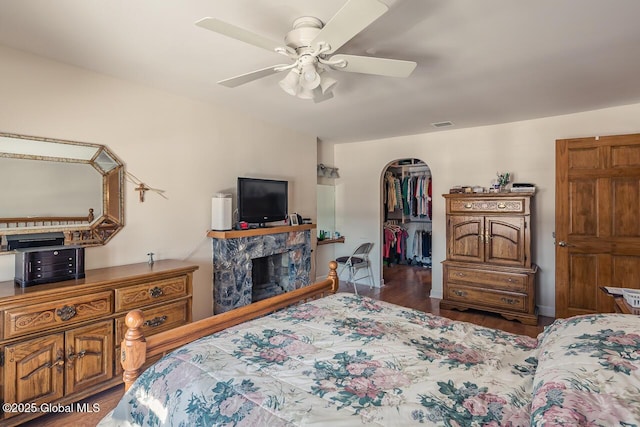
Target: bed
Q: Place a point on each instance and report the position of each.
(345, 360)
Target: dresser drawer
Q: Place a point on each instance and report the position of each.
(495, 300)
(489, 279)
(157, 319)
(41, 317)
(514, 205)
(150, 293)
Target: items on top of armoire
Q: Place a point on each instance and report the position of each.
(500, 184)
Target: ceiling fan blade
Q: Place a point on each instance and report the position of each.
(237, 33)
(355, 16)
(373, 65)
(249, 77)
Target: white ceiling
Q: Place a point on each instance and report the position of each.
(479, 61)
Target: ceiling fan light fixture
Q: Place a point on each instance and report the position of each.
(305, 93)
(310, 77)
(290, 83)
(327, 83)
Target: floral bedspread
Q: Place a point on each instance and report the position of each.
(343, 360)
(347, 360)
(589, 372)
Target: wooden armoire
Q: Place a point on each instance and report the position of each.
(488, 263)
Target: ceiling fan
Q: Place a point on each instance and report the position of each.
(311, 45)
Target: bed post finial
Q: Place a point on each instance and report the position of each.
(333, 275)
(133, 349)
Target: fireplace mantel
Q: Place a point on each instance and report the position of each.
(233, 254)
(234, 234)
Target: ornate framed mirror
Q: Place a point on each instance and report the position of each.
(51, 185)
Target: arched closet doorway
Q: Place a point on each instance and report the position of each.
(406, 224)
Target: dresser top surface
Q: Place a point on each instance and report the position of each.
(98, 276)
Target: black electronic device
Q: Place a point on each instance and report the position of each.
(34, 240)
(35, 266)
(262, 200)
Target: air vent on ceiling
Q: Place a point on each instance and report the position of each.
(442, 124)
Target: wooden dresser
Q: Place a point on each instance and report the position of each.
(488, 265)
(61, 341)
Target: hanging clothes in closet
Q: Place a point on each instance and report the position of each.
(418, 196)
(421, 248)
(393, 192)
(395, 244)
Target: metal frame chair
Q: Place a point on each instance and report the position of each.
(358, 260)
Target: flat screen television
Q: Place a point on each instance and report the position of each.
(262, 200)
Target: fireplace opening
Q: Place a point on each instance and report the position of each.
(269, 275)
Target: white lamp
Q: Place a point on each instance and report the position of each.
(327, 83)
(290, 83)
(305, 93)
(310, 78)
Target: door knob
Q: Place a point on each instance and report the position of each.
(563, 244)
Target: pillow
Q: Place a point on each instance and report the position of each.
(588, 372)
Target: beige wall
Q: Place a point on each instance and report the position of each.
(190, 149)
(470, 157)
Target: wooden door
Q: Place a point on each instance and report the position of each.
(466, 238)
(89, 356)
(506, 240)
(597, 225)
(34, 371)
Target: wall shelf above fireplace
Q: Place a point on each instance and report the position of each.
(234, 234)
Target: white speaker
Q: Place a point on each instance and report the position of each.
(221, 215)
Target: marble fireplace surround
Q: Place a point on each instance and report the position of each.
(234, 252)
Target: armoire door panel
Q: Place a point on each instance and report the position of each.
(505, 240)
(466, 239)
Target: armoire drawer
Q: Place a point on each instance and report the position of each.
(44, 316)
(512, 205)
(489, 279)
(475, 296)
(157, 319)
(150, 293)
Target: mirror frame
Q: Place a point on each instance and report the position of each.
(91, 231)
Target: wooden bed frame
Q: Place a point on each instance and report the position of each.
(136, 349)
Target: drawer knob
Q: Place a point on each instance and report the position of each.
(468, 205)
(73, 355)
(460, 274)
(67, 312)
(155, 292)
(510, 301)
(501, 205)
(459, 293)
(59, 362)
(156, 321)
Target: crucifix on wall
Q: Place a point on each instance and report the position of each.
(142, 188)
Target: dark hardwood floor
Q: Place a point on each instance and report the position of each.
(404, 285)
